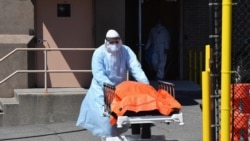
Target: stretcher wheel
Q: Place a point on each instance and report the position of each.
(136, 129)
(146, 131)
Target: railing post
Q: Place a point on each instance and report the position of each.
(45, 71)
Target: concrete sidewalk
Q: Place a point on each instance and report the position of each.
(188, 94)
(67, 131)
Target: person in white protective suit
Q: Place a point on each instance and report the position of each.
(158, 41)
(110, 63)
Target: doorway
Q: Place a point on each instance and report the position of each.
(64, 24)
(152, 11)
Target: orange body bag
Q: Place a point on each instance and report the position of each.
(137, 97)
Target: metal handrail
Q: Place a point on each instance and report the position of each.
(45, 71)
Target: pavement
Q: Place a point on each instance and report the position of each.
(187, 95)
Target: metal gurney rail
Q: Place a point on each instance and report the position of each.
(109, 93)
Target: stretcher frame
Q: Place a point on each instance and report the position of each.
(145, 121)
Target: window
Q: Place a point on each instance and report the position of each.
(63, 10)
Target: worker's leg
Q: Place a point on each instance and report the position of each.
(162, 58)
(155, 61)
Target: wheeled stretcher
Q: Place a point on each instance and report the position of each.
(141, 124)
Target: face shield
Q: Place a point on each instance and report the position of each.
(113, 41)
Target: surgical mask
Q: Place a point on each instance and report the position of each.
(112, 48)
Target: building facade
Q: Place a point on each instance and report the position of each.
(83, 24)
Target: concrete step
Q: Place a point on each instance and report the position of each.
(1, 109)
(35, 106)
(9, 108)
(1, 116)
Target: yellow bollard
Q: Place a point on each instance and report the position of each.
(195, 67)
(206, 110)
(190, 64)
(206, 92)
(200, 70)
(226, 36)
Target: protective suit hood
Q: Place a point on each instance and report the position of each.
(112, 34)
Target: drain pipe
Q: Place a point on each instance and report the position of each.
(225, 68)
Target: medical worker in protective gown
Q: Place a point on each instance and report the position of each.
(110, 63)
(158, 42)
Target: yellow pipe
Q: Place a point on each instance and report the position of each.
(195, 68)
(225, 69)
(200, 70)
(207, 59)
(190, 70)
(206, 111)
